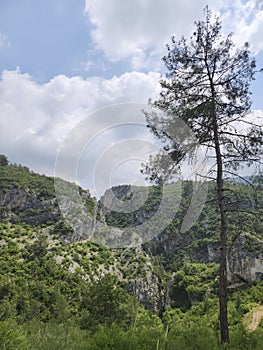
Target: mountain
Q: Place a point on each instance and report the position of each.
(78, 268)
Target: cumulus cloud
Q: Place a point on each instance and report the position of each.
(36, 118)
(128, 29)
(138, 30)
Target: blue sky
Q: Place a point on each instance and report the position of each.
(62, 60)
(46, 38)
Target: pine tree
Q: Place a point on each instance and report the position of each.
(207, 87)
(3, 160)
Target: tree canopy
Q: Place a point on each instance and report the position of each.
(207, 87)
(3, 160)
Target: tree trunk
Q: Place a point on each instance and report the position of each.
(223, 317)
(223, 261)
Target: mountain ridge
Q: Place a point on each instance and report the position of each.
(53, 273)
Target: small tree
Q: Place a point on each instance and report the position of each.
(39, 248)
(106, 303)
(207, 87)
(3, 160)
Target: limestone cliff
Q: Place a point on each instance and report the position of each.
(245, 259)
(25, 206)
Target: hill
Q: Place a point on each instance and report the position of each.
(58, 283)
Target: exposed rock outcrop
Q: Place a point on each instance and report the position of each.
(245, 259)
(23, 205)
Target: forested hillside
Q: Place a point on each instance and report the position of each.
(57, 292)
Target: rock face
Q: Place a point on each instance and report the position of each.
(23, 205)
(170, 245)
(147, 292)
(245, 260)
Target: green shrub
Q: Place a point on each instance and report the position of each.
(12, 336)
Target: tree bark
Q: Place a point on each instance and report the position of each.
(223, 257)
(223, 317)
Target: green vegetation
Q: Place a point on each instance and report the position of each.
(55, 294)
(18, 176)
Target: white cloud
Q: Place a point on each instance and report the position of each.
(128, 29)
(35, 118)
(138, 30)
(245, 20)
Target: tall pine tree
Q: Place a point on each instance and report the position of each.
(207, 87)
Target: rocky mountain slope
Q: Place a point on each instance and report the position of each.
(201, 243)
(153, 270)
